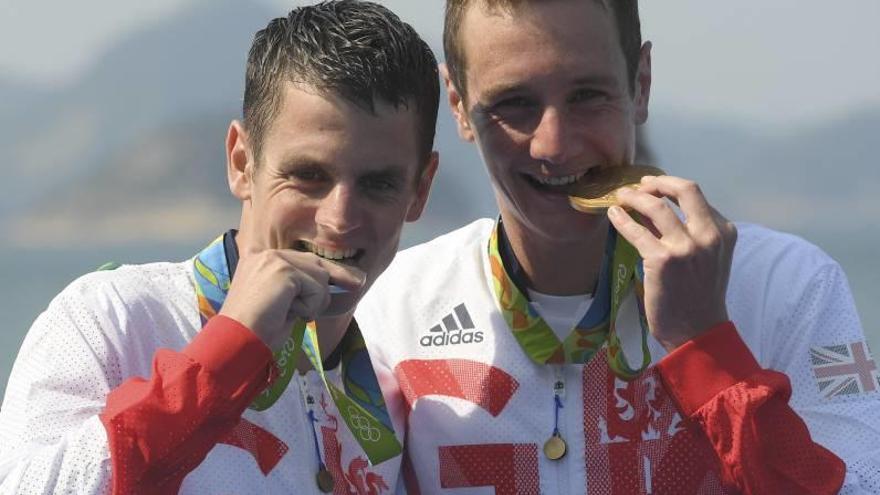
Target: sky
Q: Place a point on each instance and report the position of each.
(767, 65)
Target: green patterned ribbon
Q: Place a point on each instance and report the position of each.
(361, 404)
(620, 276)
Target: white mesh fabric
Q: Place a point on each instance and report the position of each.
(104, 328)
(806, 303)
(785, 297)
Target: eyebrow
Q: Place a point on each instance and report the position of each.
(299, 162)
(303, 162)
(388, 171)
(501, 89)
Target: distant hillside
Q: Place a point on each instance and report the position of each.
(169, 185)
(189, 64)
(160, 184)
(135, 148)
(16, 97)
(820, 178)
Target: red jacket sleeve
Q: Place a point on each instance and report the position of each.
(158, 430)
(763, 445)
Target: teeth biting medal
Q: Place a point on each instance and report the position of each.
(596, 191)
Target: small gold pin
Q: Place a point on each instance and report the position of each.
(554, 448)
(325, 481)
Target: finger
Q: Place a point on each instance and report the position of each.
(347, 277)
(640, 237)
(344, 276)
(311, 298)
(308, 263)
(300, 310)
(685, 193)
(648, 224)
(654, 209)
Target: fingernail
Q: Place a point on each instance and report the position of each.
(614, 211)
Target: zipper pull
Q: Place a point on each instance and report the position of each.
(559, 383)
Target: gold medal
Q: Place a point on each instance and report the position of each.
(325, 481)
(597, 190)
(554, 448)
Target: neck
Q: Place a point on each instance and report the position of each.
(558, 267)
(330, 333)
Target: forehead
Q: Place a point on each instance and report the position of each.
(324, 127)
(558, 38)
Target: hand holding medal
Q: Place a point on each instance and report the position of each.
(304, 293)
(273, 288)
(274, 292)
(686, 262)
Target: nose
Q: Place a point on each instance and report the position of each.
(552, 140)
(338, 211)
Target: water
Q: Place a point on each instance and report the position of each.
(31, 278)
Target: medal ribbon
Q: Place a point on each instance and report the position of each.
(621, 275)
(361, 404)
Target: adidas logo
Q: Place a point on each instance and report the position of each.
(454, 329)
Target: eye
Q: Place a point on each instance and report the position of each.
(587, 95)
(380, 184)
(515, 110)
(309, 175)
(512, 103)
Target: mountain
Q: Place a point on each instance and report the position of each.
(169, 185)
(188, 64)
(16, 96)
(106, 158)
(821, 178)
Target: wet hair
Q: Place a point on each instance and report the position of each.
(358, 50)
(626, 17)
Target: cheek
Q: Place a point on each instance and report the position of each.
(497, 135)
(290, 213)
(501, 139)
(610, 132)
(501, 149)
(385, 219)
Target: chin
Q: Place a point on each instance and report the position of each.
(569, 227)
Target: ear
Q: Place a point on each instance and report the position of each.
(239, 161)
(643, 84)
(423, 188)
(456, 105)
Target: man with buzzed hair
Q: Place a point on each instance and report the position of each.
(613, 344)
(160, 378)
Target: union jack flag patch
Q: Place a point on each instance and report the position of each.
(846, 369)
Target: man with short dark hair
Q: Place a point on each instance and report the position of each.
(569, 347)
(139, 379)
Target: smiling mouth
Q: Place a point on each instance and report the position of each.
(337, 255)
(558, 184)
